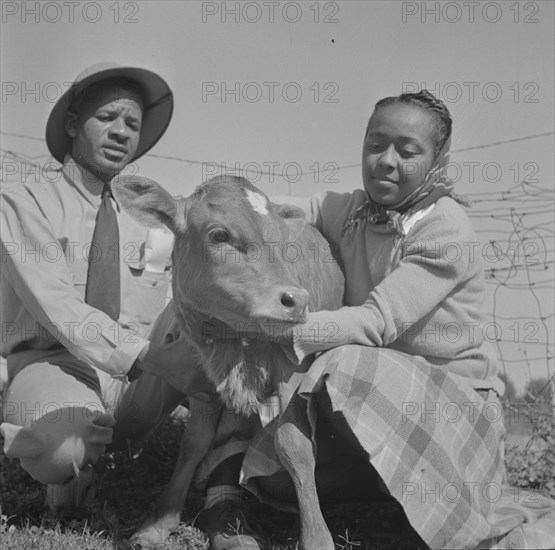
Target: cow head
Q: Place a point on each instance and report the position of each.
(234, 250)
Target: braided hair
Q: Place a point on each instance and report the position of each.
(427, 101)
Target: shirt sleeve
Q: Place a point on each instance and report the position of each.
(424, 277)
(43, 283)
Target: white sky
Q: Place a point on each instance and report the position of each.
(502, 51)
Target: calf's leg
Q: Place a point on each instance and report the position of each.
(297, 454)
(195, 443)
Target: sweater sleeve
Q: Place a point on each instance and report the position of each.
(309, 205)
(326, 211)
(45, 288)
(434, 261)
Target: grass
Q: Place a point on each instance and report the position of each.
(128, 484)
(530, 449)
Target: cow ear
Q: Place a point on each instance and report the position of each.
(145, 201)
(289, 211)
(293, 216)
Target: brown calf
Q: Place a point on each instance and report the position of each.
(244, 268)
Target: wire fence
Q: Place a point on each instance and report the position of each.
(516, 229)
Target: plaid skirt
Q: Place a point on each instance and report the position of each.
(436, 443)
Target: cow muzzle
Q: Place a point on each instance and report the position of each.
(295, 301)
(287, 305)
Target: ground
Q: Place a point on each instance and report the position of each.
(128, 484)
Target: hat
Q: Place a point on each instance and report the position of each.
(157, 106)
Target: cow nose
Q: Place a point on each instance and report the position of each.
(295, 300)
(287, 299)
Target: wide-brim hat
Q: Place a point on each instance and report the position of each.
(157, 106)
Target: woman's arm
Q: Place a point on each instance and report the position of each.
(425, 276)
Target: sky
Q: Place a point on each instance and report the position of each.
(281, 93)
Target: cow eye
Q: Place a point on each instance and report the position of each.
(218, 235)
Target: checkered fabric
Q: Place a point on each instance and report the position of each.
(436, 442)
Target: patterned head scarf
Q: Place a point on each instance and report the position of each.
(435, 186)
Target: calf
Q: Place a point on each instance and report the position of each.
(244, 268)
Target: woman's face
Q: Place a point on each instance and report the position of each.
(398, 152)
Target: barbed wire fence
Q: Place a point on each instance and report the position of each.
(519, 238)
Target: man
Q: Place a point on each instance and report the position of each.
(81, 286)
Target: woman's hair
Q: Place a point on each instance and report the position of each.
(427, 101)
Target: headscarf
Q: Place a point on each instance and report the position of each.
(435, 186)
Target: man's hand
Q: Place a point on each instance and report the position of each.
(177, 363)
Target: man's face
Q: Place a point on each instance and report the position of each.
(106, 130)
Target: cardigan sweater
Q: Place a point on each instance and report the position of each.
(422, 294)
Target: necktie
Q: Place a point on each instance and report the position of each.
(103, 282)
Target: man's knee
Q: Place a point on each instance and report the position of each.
(56, 446)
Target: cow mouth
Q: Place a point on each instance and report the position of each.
(259, 330)
(264, 325)
(276, 328)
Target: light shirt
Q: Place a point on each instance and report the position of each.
(46, 231)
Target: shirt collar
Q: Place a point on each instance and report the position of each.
(83, 180)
